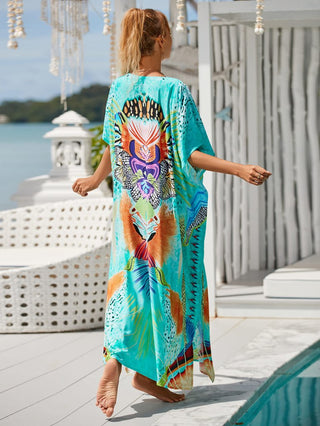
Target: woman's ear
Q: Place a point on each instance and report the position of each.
(161, 41)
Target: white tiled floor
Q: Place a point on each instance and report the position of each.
(52, 378)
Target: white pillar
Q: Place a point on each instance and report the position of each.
(257, 243)
(206, 112)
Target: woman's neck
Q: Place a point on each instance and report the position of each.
(150, 65)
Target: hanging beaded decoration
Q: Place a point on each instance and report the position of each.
(15, 24)
(113, 63)
(181, 26)
(69, 21)
(110, 28)
(106, 17)
(258, 29)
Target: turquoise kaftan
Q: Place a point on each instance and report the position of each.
(157, 315)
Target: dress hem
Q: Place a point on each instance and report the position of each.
(128, 365)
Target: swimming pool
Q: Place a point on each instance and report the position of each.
(290, 397)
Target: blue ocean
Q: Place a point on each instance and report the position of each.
(24, 153)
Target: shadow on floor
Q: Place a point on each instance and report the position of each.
(197, 397)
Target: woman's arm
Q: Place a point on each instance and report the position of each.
(249, 172)
(83, 185)
(104, 168)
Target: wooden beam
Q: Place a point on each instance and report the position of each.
(275, 11)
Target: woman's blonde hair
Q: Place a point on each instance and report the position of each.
(139, 30)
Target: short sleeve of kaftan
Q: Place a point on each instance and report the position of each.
(108, 116)
(192, 135)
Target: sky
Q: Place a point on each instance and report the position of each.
(24, 72)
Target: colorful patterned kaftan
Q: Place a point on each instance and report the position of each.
(157, 316)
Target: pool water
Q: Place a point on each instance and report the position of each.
(290, 397)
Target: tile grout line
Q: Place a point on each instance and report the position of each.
(231, 328)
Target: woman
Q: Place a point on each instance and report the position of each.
(157, 318)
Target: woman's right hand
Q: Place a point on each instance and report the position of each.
(83, 185)
(253, 174)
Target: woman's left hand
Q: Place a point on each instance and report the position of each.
(83, 185)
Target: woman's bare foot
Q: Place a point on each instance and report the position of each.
(145, 384)
(108, 386)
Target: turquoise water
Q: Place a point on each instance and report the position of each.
(24, 153)
(290, 397)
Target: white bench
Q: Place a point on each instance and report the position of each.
(301, 280)
(54, 263)
(34, 256)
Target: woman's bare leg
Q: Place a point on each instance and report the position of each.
(145, 384)
(108, 386)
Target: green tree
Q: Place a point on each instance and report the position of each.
(90, 102)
